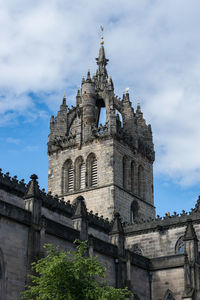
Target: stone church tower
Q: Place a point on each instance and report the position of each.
(111, 166)
(108, 169)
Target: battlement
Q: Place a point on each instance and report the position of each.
(12, 184)
(162, 224)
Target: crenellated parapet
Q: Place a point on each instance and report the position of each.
(163, 223)
(12, 184)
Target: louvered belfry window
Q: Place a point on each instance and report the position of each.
(82, 176)
(67, 177)
(91, 170)
(94, 178)
(70, 179)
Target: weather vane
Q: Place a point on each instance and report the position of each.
(102, 29)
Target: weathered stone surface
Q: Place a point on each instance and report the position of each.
(100, 189)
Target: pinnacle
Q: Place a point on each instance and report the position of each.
(33, 187)
(190, 233)
(88, 76)
(117, 225)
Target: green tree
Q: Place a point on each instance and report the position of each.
(70, 275)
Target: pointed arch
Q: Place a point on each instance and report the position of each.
(67, 176)
(2, 277)
(79, 173)
(168, 295)
(179, 247)
(92, 170)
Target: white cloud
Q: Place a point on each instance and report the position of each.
(153, 47)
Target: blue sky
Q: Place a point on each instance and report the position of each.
(154, 49)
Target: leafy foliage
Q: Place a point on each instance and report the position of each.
(70, 275)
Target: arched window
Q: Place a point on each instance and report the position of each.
(92, 170)
(82, 178)
(125, 172)
(68, 177)
(141, 181)
(134, 211)
(168, 295)
(80, 170)
(179, 248)
(2, 277)
(132, 176)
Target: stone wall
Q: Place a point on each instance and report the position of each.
(156, 244)
(13, 241)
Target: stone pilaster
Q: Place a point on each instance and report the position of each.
(33, 204)
(191, 265)
(80, 220)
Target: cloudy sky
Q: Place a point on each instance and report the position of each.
(154, 49)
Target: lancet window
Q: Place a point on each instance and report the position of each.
(92, 170)
(80, 171)
(68, 176)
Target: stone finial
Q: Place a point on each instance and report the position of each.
(117, 224)
(88, 76)
(78, 92)
(83, 80)
(190, 233)
(33, 187)
(63, 106)
(138, 107)
(64, 99)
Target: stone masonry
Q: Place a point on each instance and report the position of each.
(100, 190)
(124, 150)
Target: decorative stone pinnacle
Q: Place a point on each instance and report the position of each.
(83, 79)
(117, 225)
(64, 99)
(190, 233)
(33, 188)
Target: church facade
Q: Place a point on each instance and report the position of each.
(100, 189)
